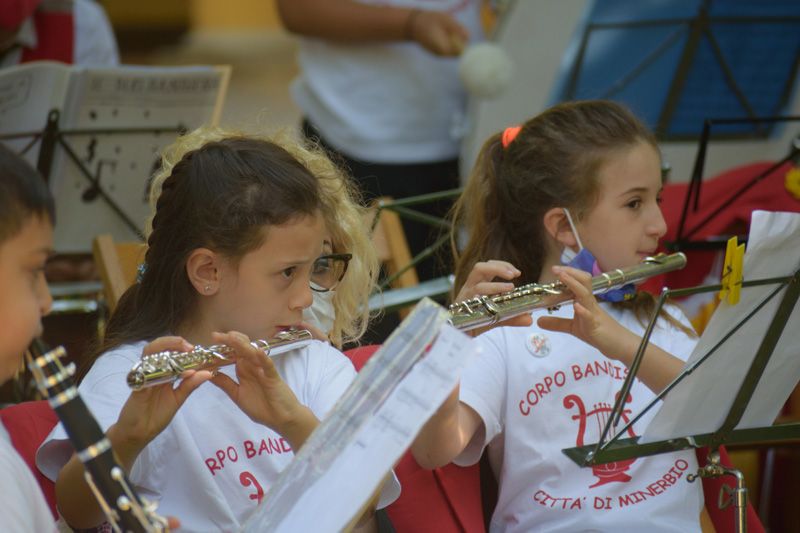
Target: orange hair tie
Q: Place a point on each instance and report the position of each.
(509, 134)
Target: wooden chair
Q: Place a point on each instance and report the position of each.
(117, 263)
(391, 244)
(392, 249)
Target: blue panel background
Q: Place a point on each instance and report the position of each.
(762, 57)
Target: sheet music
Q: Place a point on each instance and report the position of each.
(27, 94)
(126, 97)
(110, 98)
(700, 403)
(369, 428)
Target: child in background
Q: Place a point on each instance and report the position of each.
(577, 185)
(238, 228)
(27, 215)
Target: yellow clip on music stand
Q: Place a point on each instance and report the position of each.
(731, 278)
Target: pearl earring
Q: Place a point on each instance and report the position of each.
(208, 288)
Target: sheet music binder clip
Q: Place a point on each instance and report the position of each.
(732, 274)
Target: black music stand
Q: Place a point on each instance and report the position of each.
(693, 56)
(52, 137)
(617, 449)
(102, 129)
(683, 240)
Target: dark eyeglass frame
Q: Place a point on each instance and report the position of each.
(339, 257)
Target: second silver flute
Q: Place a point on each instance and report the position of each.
(167, 366)
(487, 310)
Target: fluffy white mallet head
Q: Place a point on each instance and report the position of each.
(485, 69)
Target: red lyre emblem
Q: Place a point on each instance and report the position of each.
(599, 415)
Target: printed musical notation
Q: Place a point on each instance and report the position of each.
(130, 114)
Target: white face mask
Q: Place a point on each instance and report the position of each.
(568, 254)
(321, 313)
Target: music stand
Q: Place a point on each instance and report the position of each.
(683, 240)
(52, 137)
(102, 131)
(674, 61)
(726, 432)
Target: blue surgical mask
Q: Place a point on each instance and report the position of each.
(584, 260)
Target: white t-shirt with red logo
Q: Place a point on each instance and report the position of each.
(539, 392)
(212, 465)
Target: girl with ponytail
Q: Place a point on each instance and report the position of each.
(568, 194)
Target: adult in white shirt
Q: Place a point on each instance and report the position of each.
(378, 86)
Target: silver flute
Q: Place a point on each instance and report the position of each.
(167, 366)
(487, 310)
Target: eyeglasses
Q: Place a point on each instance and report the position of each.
(328, 270)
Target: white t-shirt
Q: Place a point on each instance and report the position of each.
(212, 465)
(22, 505)
(539, 392)
(387, 102)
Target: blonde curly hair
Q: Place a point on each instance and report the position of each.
(344, 218)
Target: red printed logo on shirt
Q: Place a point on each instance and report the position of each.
(247, 479)
(598, 416)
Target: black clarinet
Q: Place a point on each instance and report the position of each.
(124, 509)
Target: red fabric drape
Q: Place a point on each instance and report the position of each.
(55, 34)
